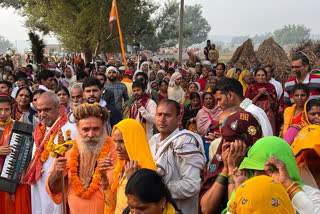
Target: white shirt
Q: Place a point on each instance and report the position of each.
(278, 86)
(180, 159)
(41, 202)
(44, 88)
(259, 114)
(307, 201)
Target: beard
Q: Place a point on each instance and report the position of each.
(89, 150)
(112, 78)
(91, 145)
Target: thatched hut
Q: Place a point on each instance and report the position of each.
(241, 57)
(271, 53)
(311, 50)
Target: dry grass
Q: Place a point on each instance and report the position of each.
(270, 53)
(241, 57)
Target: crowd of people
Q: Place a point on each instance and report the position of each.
(161, 137)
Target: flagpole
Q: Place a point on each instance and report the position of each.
(120, 35)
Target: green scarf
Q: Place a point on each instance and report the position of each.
(262, 150)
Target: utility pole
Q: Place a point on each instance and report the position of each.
(181, 30)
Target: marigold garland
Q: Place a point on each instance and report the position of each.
(96, 177)
(45, 153)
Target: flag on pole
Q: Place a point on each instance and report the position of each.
(113, 14)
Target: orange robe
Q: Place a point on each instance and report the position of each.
(93, 205)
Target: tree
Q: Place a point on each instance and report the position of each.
(292, 34)
(37, 46)
(237, 40)
(259, 38)
(4, 44)
(17, 4)
(82, 25)
(195, 27)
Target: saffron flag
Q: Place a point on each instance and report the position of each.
(114, 16)
(113, 13)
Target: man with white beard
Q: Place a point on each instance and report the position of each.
(88, 166)
(52, 118)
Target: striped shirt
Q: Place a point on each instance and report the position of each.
(311, 80)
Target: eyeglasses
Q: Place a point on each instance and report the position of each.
(296, 67)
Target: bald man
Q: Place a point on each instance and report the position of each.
(52, 116)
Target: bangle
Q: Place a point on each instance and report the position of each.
(292, 186)
(294, 192)
(293, 189)
(222, 179)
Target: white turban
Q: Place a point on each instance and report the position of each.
(112, 68)
(145, 62)
(162, 72)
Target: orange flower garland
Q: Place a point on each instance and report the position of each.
(45, 153)
(75, 180)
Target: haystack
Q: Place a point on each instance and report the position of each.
(311, 50)
(270, 53)
(316, 51)
(241, 57)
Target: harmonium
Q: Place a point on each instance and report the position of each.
(17, 161)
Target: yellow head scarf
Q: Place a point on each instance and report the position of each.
(243, 83)
(288, 115)
(307, 139)
(304, 119)
(137, 146)
(287, 118)
(272, 197)
(231, 73)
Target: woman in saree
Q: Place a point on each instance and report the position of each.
(273, 197)
(293, 114)
(264, 95)
(310, 116)
(191, 111)
(24, 98)
(175, 92)
(163, 90)
(306, 149)
(20, 201)
(272, 156)
(133, 153)
(207, 118)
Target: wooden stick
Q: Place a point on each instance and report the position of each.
(63, 195)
